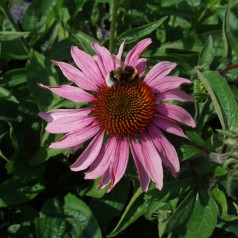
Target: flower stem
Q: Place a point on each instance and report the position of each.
(113, 25)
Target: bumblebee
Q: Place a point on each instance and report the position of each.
(122, 75)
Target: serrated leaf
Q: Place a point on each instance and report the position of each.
(139, 32)
(11, 35)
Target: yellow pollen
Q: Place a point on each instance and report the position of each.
(124, 110)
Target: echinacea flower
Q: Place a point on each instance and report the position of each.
(129, 114)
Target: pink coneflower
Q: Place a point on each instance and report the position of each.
(130, 113)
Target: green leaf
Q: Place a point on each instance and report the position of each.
(50, 227)
(222, 98)
(133, 211)
(41, 70)
(229, 38)
(72, 219)
(7, 95)
(11, 35)
(39, 15)
(83, 40)
(111, 203)
(14, 77)
(197, 139)
(81, 218)
(203, 219)
(171, 190)
(140, 32)
(182, 213)
(232, 184)
(206, 55)
(221, 201)
(15, 191)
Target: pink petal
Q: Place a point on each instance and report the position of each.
(89, 154)
(169, 126)
(137, 156)
(87, 65)
(141, 66)
(174, 94)
(169, 83)
(119, 163)
(152, 161)
(106, 179)
(158, 72)
(73, 124)
(64, 114)
(76, 138)
(120, 51)
(103, 161)
(135, 53)
(175, 113)
(165, 148)
(76, 76)
(69, 92)
(105, 59)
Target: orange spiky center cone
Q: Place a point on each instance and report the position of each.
(124, 110)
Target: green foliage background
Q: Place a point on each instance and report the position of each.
(41, 197)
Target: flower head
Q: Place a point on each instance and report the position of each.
(127, 110)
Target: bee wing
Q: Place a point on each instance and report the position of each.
(117, 62)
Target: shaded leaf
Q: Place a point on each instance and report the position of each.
(138, 33)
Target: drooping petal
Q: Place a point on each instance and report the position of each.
(141, 66)
(106, 179)
(158, 72)
(174, 94)
(137, 156)
(64, 114)
(165, 148)
(72, 124)
(105, 59)
(152, 161)
(169, 83)
(119, 163)
(76, 138)
(87, 65)
(103, 161)
(169, 126)
(120, 51)
(175, 113)
(89, 154)
(74, 75)
(74, 94)
(135, 53)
